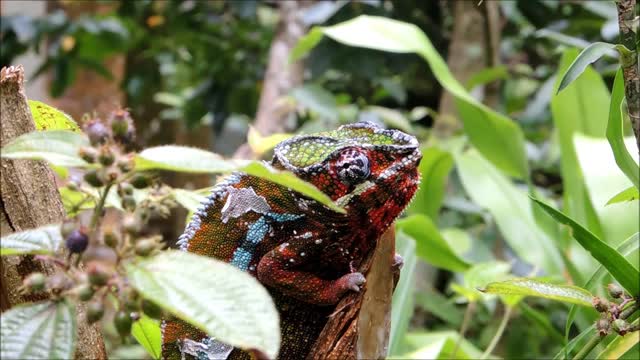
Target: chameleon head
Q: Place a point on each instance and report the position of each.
(361, 166)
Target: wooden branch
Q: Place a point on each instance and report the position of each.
(360, 326)
(626, 16)
(30, 199)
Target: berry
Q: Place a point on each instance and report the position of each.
(77, 241)
(126, 163)
(151, 309)
(131, 300)
(105, 156)
(88, 154)
(620, 326)
(111, 238)
(601, 305)
(97, 132)
(35, 282)
(131, 224)
(85, 292)
(98, 274)
(140, 181)
(602, 325)
(92, 178)
(125, 189)
(144, 247)
(119, 121)
(615, 291)
(128, 202)
(95, 311)
(122, 321)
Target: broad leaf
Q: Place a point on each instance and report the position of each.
(587, 56)
(440, 345)
(147, 332)
(430, 246)
(530, 287)
(49, 118)
(192, 160)
(620, 346)
(498, 138)
(190, 200)
(44, 330)
(480, 275)
(628, 194)
(511, 210)
(615, 133)
(402, 302)
(434, 170)
(261, 144)
(227, 303)
(42, 240)
(617, 265)
(59, 147)
(317, 99)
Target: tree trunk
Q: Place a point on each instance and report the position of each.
(30, 199)
(630, 65)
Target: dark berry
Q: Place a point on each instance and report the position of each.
(128, 202)
(126, 164)
(92, 178)
(88, 154)
(77, 241)
(602, 325)
(105, 156)
(120, 121)
(601, 305)
(95, 311)
(144, 247)
(151, 309)
(111, 238)
(85, 292)
(140, 181)
(615, 291)
(97, 131)
(122, 321)
(98, 274)
(620, 326)
(125, 189)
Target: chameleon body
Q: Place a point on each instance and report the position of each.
(303, 252)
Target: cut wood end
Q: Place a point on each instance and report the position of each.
(12, 75)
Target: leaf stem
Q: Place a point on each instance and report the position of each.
(586, 349)
(97, 212)
(498, 335)
(463, 328)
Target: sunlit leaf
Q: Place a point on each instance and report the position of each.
(434, 168)
(628, 194)
(402, 302)
(47, 117)
(440, 345)
(227, 303)
(261, 144)
(59, 147)
(619, 267)
(530, 287)
(620, 346)
(44, 330)
(42, 240)
(430, 246)
(147, 332)
(587, 56)
(190, 200)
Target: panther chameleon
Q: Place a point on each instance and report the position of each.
(306, 254)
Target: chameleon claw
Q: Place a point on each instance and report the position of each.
(354, 281)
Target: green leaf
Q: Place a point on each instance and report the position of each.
(480, 275)
(530, 287)
(430, 246)
(440, 345)
(59, 147)
(498, 138)
(306, 44)
(42, 240)
(227, 303)
(49, 118)
(578, 340)
(147, 332)
(511, 210)
(402, 301)
(261, 144)
(44, 330)
(628, 194)
(434, 169)
(620, 346)
(192, 160)
(486, 76)
(617, 265)
(317, 99)
(580, 108)
(190, 200)
(587, 56)
(615, 134)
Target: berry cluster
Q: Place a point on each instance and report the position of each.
(615, 312)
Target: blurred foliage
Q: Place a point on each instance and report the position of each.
(203, 62)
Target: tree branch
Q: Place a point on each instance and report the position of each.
(626, 17)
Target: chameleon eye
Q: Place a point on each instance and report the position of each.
(352, 167)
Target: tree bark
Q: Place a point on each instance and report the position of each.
(626, 16)
(30, 199)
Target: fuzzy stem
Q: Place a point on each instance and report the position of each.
(498, 335)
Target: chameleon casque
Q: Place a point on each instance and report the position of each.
(304, 253)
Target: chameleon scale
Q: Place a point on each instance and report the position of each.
(304, 253)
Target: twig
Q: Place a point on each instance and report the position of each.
(629, 62)
(463, 328)
(498, 335)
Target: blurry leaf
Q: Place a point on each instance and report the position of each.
(541, 319)
(316, 99)
(75, 201)
(498, 138)
(59, 147)
(402, 302)
(434, 169)
(45, 330)
(49, 118)
(439, 306)
(261, 144)
(580, 108)
(486, 76)
(629, 246)
(62, 77)
(617, 265)
(603, 180)
(148, 334)
(459, 240)
(511, 210)
(321, 11)
(393, 118)
(306, 43)
(190, 200)
(480, 275)
(440, 345)
(530, 287)
(615, 133)
(430, 246)
(628, 194)
(578, 340)
(227, 303)
(193, 160)
(562, 38)
(587, 56)
(42, 240)
(620, 346)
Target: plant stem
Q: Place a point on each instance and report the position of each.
(463, 328)
(97, 212)
(498, 335)
(628, 311)
(593, 342)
